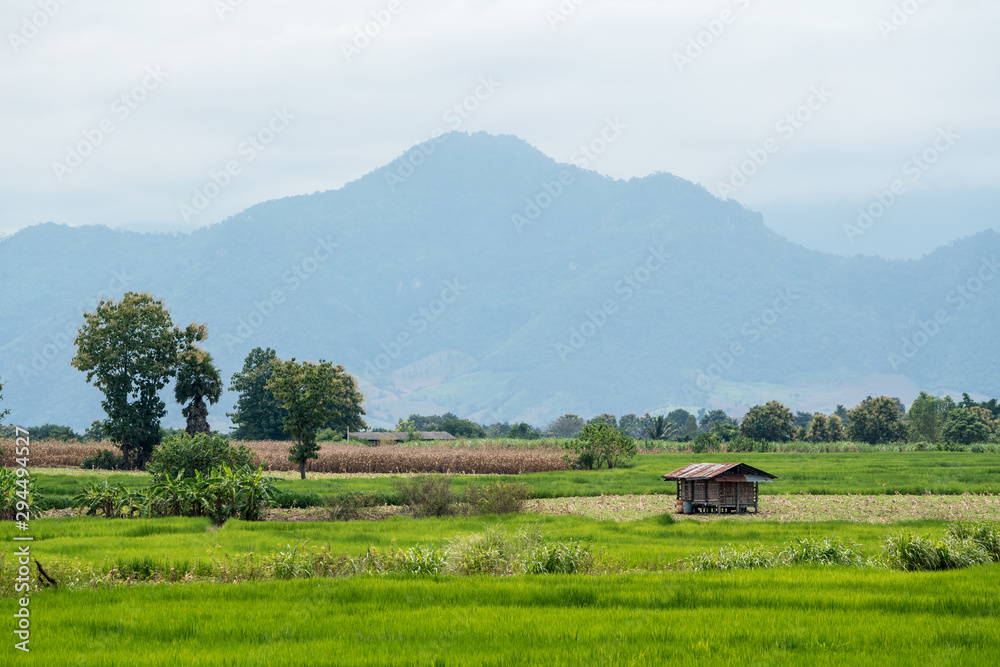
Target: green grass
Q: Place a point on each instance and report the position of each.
(797, 616)
(837, 473)
(193, 544)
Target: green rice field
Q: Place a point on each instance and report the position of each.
(154, 591)
(800, 616)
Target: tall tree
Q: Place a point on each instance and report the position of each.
(197, 380)
(713, 417)
(927, 416)
(965, 426)
(877, 420)
(258, 414)
(609, 419)
(309, 394)
(129, 350)
(771, 421)
(567, 426)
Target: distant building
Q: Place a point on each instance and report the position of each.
(386, 437)
(717, 487)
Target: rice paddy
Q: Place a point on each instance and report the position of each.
(158, 584)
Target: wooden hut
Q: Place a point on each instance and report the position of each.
(717, 487)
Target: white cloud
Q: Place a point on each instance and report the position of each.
(609, 58)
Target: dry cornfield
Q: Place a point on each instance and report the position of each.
(400, 459)
(53, 453)
(336, 458)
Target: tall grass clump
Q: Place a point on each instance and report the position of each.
(965, 545)
(497, 497)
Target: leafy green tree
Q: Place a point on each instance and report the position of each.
(601, 444)
(524, 431)
(660, 428)
(53, 432)
(310, 395)
(679, 418)
(197, 379)
(690, 426)
(771, 422)
(634, 427)
(129, 350)
(877, 420)
(95, 433)
(462, 428)
(841, 412)
(712, 417)
(348, 404)
(965, 427)
(802, 419)
(825, 429)
(567, 426)
(927, 417)
(258, 414)
(606, 418)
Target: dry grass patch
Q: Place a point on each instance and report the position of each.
(883, 509)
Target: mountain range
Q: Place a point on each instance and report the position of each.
(476, 275)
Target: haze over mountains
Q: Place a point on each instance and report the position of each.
(476, 275)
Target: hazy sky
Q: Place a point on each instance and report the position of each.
(116, 112)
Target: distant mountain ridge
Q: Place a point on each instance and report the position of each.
(424, 280)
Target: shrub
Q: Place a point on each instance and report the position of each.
(352, 506)
(704, 442)
(186, 455)
(426, 495)
(104, 459)
(742, 443)
(329, 435)
(224, 494)
(498, 498)
(527, 551)
(602, 444)
(290, 499)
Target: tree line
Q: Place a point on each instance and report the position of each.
(131, 349)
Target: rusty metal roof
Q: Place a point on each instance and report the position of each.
(737, 472)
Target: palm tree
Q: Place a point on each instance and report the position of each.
(197, 379)
(659, 428)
